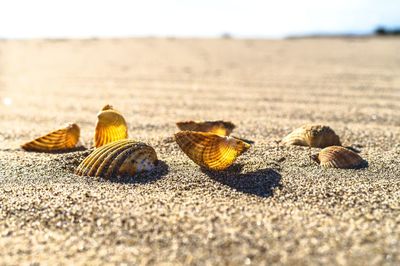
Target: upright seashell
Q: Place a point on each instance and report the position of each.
(317, 136)
(59, 140)
(338, 157)
(222, 128)
(210, 150)
(111, 126)
(119, 158)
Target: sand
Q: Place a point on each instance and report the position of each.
(273, 207)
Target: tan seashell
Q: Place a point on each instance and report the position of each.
(107, 107)
(222, 128)
(317, 136)
(111, 126)
(338, 157)
(62, 139)
(210, 150)
(119, 158)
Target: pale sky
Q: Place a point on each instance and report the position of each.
(189, 18)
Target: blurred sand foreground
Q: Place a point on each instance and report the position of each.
(274, 206)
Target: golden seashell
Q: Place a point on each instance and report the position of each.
(111, 126)
(222, 128)
(119, 158)
(317, 136)
(59, 140)
(210, 150)
(338, 157)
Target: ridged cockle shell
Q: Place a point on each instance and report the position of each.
(338, 157)
(222, 128)
(119, 158)
(59, 140)
(111, 126)
(317, 136)
(210, 150)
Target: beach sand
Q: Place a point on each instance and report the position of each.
(274, 206)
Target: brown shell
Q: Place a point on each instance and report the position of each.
(59, 140)
(222, 128)
(317, 136)
(119, 158)
(338, 157)
(210, 150)
(111, 126)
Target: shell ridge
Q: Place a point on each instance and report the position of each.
(103, 152)
(116, 161)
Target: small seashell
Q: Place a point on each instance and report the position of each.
(210, 150)
(62, 139)
(317, 136)
(111, 126)
(338, 157)
(222, 128)
(119, 158)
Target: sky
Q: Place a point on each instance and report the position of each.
(189, 18)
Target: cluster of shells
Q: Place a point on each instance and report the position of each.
(209, 144)
(332, 155)
(114, 155)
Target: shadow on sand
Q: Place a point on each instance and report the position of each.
(70, 150)
(260, 183)
(364, 164)
(145, 177)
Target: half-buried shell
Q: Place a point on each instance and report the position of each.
(222, 128)
(119, 158)
(210, 150)
(317, 136)
(338, 157)
(111, 126)
(62, 139)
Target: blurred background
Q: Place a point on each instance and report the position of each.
(195, 58)
(189, 18)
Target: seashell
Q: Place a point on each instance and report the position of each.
(210, 150)
(317, 136)
(62, 139)
(338, 157)
(111, 126)
(119, 158)
(222, 128)
(107, 107)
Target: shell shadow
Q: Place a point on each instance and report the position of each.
(70, 150)
(157, 173)
(362, 165)
(260, 183)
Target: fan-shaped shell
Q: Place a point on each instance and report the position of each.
(338, 157)
(210, 150)
(222, 128)
(111, 126)
(58, 140)
(317, 136)
(119, 158)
